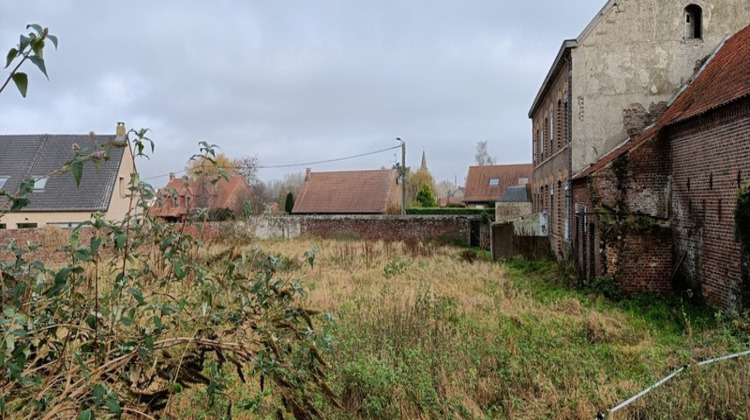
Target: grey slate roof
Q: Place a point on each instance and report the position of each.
(24, 156)
(515, 195)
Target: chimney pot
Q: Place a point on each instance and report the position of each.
(171, 176)
(120, 131)
(307, 174)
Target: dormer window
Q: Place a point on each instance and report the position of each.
(693, 22)
(39, 184)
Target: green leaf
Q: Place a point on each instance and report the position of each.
(137, 295)
(114, 406)
(53, 39)
(95, 243)
(86, 415)
(77, 169)
(39, 62)
(120, 241)
(99, 393)
(23, 43)
(12, 54)
(22, 82)
(36, 27)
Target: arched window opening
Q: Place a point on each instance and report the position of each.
(693, 22)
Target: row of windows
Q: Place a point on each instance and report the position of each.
(553, 133)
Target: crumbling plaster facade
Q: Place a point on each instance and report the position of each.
(636, 54)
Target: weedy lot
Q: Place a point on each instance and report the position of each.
(425, 331)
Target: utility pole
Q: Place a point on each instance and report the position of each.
(403, 176)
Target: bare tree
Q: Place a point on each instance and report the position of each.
(482, 156)
(248, 168)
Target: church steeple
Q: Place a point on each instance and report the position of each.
(424, 162)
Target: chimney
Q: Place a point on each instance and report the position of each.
(120, 131)
(307, 174)
(171, 176)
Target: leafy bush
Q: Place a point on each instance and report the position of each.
(425, 197)
(138, 314)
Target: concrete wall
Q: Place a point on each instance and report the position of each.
(508, 211)
(633, 58)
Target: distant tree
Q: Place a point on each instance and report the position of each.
(289, 204)
(482, 156)
(445, 188)
(414, 183)
(248, 168)
(425, 197)
(213, 167)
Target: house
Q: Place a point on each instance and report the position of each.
(485, 184)
(452, 198)
(660, 211)
(56, 199)
(349, 192)
(182, 197)
(610, 82)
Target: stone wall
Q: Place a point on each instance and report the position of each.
(444, 229)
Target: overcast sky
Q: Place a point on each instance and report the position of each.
(294, 81)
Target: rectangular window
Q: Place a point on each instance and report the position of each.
(3, 226)
(3, 180)
(494, 182)
(39, 184)
(27, 225)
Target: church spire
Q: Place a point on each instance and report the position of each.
(424, 162)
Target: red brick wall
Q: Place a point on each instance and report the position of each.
(711, 160)
(645, 262)
(633, 189)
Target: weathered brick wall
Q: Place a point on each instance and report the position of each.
(453, 229)
(632, 192)
(711, 161)
(446, 229)
(644, 262)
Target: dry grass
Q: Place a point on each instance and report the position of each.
(424, 333)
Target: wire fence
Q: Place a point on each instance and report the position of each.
(611, 411)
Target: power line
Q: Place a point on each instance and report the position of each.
(289, 165)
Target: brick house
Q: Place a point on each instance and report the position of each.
(349, 192)
(485, 184)
(610, 82)
(56, 199)
(658, 211)
(182, 197)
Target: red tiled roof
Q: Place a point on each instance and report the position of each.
(346, 192)
(725, 78)
(226, 193)
(478, 188)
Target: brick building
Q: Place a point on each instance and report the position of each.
(659, 211)
(610, 82)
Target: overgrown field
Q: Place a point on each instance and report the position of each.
(247, 329)
(440, 332)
